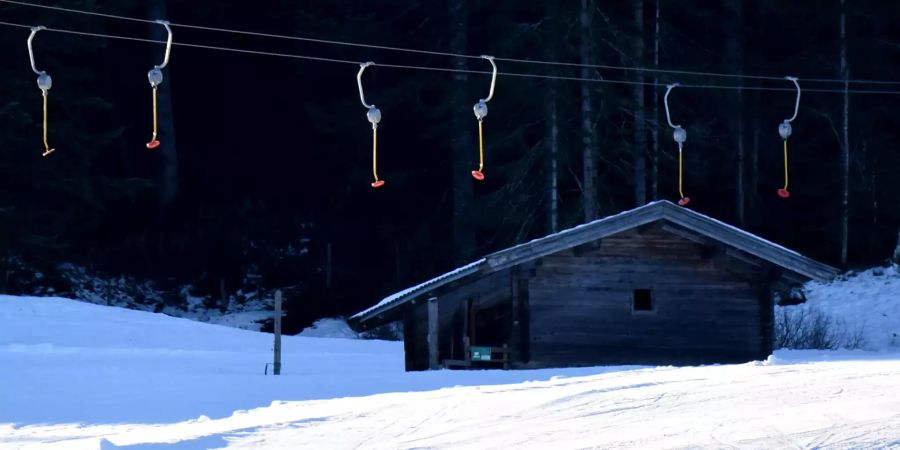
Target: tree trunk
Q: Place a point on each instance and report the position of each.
(552, 129)
(640, 122)
(753, 182)
(462, 126)
(733, 61)
(739, 181)
(873, 180)
(754, 162)
(845, 141)
(589, 194)
(223, 295)
(553, 152)
(4, 274)
(328, 269)
(654, 130)
(896, 256)
(167, 179)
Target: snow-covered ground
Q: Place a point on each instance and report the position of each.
(75, 375)
(865, 303)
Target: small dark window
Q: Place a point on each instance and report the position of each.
(643, 300)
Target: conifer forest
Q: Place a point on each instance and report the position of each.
(263, 178)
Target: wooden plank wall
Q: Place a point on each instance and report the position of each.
(708, 307)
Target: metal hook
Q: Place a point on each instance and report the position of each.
(480, 109)
(362, 97)
(34, 31)
(797, 103)
(784, 128)
(155, 75)
(666, 101)
(680, 134)
(493, 78)
(165, 62)
(44, 81)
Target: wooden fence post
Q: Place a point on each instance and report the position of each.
(277, 363)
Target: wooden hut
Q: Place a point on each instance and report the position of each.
(659, 284)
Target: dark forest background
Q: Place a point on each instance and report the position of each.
(265, 162)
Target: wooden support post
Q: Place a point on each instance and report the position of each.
(467, 346)
(473, 312)
(524, 320)
(506, 356)
(466, 305)
(277, 363)
(767, 321)
(433, 359)
(516, 331)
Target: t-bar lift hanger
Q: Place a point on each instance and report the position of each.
(374, 116)
(680, 135)
(155, 76)
(44, 82)
(481, 111)
(784, 130)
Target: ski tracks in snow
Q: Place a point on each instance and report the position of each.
(74, 388)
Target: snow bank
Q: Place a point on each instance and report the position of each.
(330, 328)
(865, 303)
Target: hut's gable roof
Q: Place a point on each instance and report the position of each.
(652, 212)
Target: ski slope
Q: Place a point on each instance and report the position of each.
(83, 376)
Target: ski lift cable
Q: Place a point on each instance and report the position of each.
(451, 70)
(448, 54)
(185, 44)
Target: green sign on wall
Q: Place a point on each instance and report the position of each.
(481, 353)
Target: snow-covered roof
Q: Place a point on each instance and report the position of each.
(434, 282)
(659, 210)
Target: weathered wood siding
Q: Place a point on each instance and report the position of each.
(707, 305)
